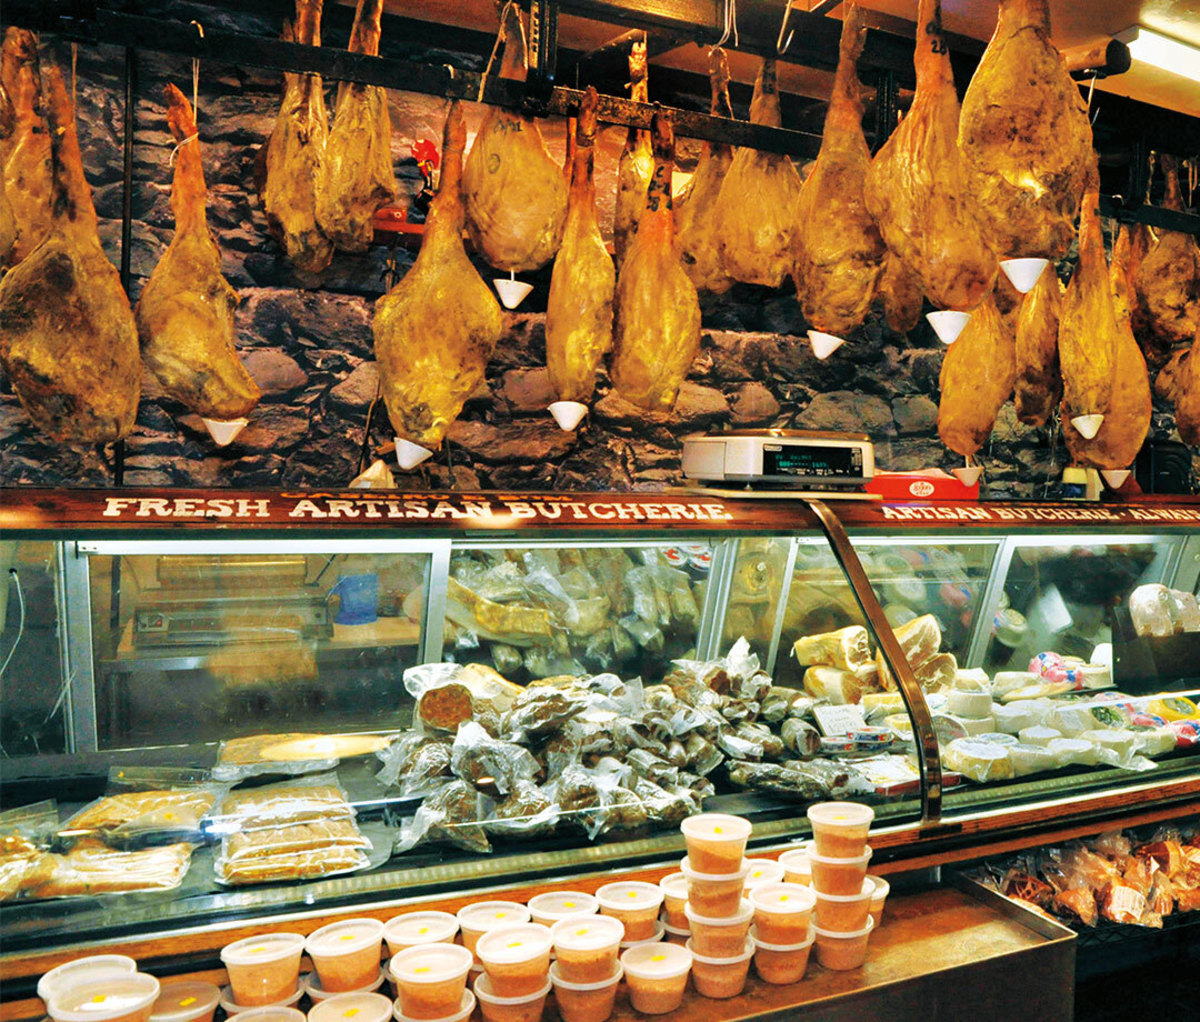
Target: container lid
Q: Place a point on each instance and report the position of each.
(675, 931)
(686, 866)
(315, 992)
(420, 928)
(657, 961)
(109, 997)
(783, 898)
(487, 915)
(355, 1007)
(178, 1002)
(747, 951)
(674, 885)
(763, 871)
(271, 1013)
(853, 860)
(867, 890)
(782, 947)
(796, 860)
(430, 963)
(465, 1007)
(346, 937)
(881, 886)
(658, 935)
(852, 935)
(742, 916)
(233, 1008)
(83, 968)
(483, 990)
(604, 984)
(629, 894)
(587, 933)
(841, 814)
(506, 945)
(561, 904)
(716, 827)
(269, 947)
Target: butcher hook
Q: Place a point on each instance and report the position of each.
(730, 24)
(781, 44)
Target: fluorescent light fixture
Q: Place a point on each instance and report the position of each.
(1162, 51)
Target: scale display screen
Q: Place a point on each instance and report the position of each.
(800, 460)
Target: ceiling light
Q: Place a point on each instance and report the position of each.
(1162, 51)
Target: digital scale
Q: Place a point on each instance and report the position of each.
(788, 458)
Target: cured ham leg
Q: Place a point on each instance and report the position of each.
(185, 315)
(658, 310)
(1187, 395)
(516, 195)
(295, 152)
(902, 297)
(977, 378)
(356, 173)
(839, 251)
(1025, 136)
(579, 314)
(27, 172)
(695, 210)
(437, 328)
(756, 207)
(67, 337)
(1039, 382)
(917, 188)
(636, 163)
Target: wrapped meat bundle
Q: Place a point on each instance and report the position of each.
(91, 868)
(525, 812)
(481, 760)
(451, 815)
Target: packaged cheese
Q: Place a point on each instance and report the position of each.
(832, 683)
(1012, 718)
(1124, 743)
(980, 761)
(967, 702)
(1009, 681)
(1155, 741)
(1030, 759)
(1038, 735)
(847, 648)
(1073, 752)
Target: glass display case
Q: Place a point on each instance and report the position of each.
(468, 689)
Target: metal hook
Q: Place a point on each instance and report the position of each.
(199, 29)
(781, 45)
(730, 24)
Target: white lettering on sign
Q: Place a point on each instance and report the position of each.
(185, 507)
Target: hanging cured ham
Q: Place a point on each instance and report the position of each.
(516, 195)
(839, 251)
(917, 186)
(437, 328)
(977, 378)
(294, 155)
(1187, 396)
(901, 292)
(1025, 136)
(8, 226)
(1168, 283)
(1129, 250)
(27, 171)
(695, 209)
(579, 314)
(756, 207)
(185, 315)
(356, 172)
(1087, 329)
(636, 163)
(658, 317)
(67, 338)
(1039, 381)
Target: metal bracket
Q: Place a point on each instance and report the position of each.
(543, 54)
(887, 95)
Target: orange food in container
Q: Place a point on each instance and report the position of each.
(839, 876)
(782, 912)
(88, 968)
(475, 920)
(231, 1007)
(763, 871)
(310, 985)
(781, 964)
(527, 1008)
(585, 1002)
(845, 913)
(272, 1013)
(796, 867)
(189, 1001)
(430, 979)
(552, 906)
(516, 958)
(720, 978)
(359, 1007)
(675, 894)
(124, 997)
(720, 938)
(346, 954)
(714, 894)
(586, 947)
(716, 842)
(674, 935)
(841, 951)
(882, 887)
(659, 932)
(840, 829)
(263, 970)
(636, 904)
(413, 928)
(465, 1007)
(656, 975)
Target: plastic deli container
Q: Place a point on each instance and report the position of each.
(190, 1001)
(675, 935)
(845, 913)
(360, 1007)
(585, 1002)
(231, 1007)
(763, 871)
(720, 938)
(263, 970)
(675, 895)
(796, 867)
(781, 964)
(516, 958)
(415, 928)
(587, 947)
(549, 908)
(311, 986)
(839, 876)
(840, 828)
(346, 954)
(716, 842)
(475, 920)
(714, 894)
(128, 997)
(430, 979)
(83, 969)
(720, 978)
(659, 933)
(841, 951)
(271, 1013)
(782, 912)
(656, 975)
(882, 887)
(636, 904)
(527, 1008)
(465, 1007)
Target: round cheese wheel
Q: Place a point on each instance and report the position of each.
(964, 703)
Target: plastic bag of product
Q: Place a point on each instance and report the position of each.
(776, 703)
(451, 815)
(772, 744)
(540, 712)
(564, 749)
(25, 834)
(148, 805)
(92, 867)
(662, 805)
(415, 764)
(527, 811)
(296, 839)
(636, 734)
(800, 738)
(702, 756)
(545, 590)
(738, 711)
(506, 659)
(650, 604)
(654, 768)
(239, 759)
(481, 760)
(584, 797)
(1185, 611)
(1150, 608)
(737, 747)
(982, 762)
(645, 634)
(305, 799)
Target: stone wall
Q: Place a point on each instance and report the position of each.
(311, 352)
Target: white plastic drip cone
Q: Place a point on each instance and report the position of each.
(1114, 477)
(224, 431)
(948, 324)
(568, 414)
(410, 455)
(1023, 274)
(968, 475)
(512, 292)
(823, 344)
(1088, 425)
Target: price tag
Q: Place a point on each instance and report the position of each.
(838, 720)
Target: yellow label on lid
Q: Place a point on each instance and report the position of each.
(99, 998)
(633, 894)
(170, 816)
(582, 933)
(186, 1001)
(349, 1013)
(717, 830)
(515, 943)
(423, 929)
(421, 968)
(568, 904)
(256, 950)
(658, 958)
(347, 936)
(783, 898)
(500, 915)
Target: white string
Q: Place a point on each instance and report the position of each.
(500, 38)
(195, 135)
(179, 145)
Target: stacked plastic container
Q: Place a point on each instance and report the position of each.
(843, 893)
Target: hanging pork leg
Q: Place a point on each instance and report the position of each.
(27, 172)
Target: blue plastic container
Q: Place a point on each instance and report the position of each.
(359, 595)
